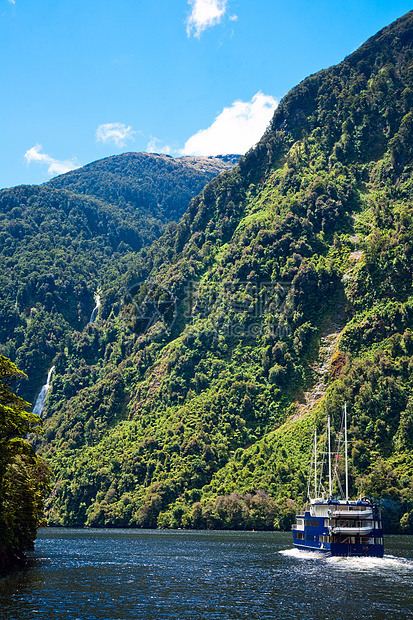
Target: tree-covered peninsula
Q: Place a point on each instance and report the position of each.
(284, 290)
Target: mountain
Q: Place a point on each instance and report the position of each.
(148, 185)
(284, 291)
(62, 241)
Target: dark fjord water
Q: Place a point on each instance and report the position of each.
(180, 575)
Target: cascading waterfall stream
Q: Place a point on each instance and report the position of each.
(95, 309)
(38, 406)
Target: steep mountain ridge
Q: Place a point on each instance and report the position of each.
(179, 410)
(61, 241)
(157, 185)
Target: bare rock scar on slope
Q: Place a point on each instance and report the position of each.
(322, 366)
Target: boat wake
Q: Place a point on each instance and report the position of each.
(388, 562)
(303, 555)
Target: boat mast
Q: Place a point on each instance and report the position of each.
(315, 464)
(330, 493)
(345, 447)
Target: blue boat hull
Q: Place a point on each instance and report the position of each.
(344, 550)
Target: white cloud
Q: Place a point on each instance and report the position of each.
(114, 132)
(235, 130)
(205, 13)
(155, 146)
(55, 166)
(12, 1)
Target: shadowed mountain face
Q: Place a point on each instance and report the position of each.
(64, 240)
(154, 186)
(284, 290)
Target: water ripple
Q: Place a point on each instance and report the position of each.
(156, 575)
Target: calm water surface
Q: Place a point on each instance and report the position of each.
(180, 575)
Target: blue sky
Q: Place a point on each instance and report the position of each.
(82, 80)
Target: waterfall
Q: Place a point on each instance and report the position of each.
(38, 406)
(95, 309)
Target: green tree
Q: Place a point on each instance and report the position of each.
(24, 477)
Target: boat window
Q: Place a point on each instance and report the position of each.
(299, 535)
(311, 523)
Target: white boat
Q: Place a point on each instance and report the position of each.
(352, 514)
(352, 531)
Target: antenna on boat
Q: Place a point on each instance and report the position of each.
(329, 461)
(345, 447)
(315, 464)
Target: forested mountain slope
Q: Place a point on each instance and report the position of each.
(62, 241)
(183, 409)
(147, 185)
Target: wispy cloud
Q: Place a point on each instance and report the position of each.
(205, 13)
(12, 1)
(235, 130)
(55, 166)
(114, 132)
(155, 146)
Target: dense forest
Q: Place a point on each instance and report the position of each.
(284, 291)
(63, 241)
